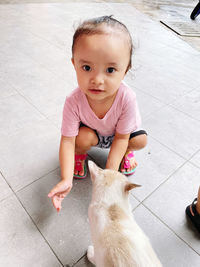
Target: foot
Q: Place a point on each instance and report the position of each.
(128, 163)
(193, 214)
(79, 166)
(90, 254)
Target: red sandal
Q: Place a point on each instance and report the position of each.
(127, 164)
(78, 166)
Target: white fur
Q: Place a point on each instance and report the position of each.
(117, 240)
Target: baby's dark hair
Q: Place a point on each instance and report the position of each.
(95, 26)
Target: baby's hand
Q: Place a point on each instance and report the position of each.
(59, 192)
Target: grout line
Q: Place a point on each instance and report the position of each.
(185, 113)
(39, 230)
(15, 194)
(169, 228)
(161, 184)
(79, 259)
(8, 186)
(170, 104)
(37, 179)
(170, 149)
(27, 100)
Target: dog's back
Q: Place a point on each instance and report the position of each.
(118, 241)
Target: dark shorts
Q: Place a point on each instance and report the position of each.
(106, 141)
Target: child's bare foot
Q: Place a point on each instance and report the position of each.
(128, 163)
(79, 166)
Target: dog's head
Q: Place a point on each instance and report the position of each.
(109, 183)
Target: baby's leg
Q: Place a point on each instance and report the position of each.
(137, 141)
(90, 254)
(85, 139)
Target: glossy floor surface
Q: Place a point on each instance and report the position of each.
(35, 76)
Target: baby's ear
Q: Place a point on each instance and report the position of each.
(129, 186)
(94, 169)
(72, 60)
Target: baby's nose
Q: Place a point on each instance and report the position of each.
(97, 79)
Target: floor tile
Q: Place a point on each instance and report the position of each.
(57, 28)
(155, 164)
(5, 189)
(170, 249)
(173, 197)
(6, 89)
(196, 159)
(41, 51)
(189, 104)
(56, 119)
(155, 84)
(84, 262)
(18, 113)
(32, 153)
(38, 85)
(21, 244)
(133, 201)
(147, 104)
(175, 130)
(67, 232)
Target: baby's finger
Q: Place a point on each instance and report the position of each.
(56, 203)
(52, 192)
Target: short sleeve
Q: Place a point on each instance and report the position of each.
(130, 119)
(71, 120)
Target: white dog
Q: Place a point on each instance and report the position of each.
(117, 240)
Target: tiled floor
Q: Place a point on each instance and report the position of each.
(35, 76)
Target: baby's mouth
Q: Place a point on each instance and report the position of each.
(95, 91)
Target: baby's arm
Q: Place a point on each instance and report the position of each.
(66, 156)
(117, 151)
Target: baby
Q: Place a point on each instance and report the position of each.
(103, 110)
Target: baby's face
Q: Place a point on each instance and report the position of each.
(101, 62)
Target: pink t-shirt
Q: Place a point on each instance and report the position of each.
(123, 117)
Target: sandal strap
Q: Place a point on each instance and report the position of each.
(78, 159)
(127, 158)
(193, 207)
(193, 210)
(194, 202)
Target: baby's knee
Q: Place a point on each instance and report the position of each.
(86, 137)
(143, 140)
(138, 142)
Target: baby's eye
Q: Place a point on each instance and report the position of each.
(110, 70)
(86, 68)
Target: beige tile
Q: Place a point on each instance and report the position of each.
(18, 113)
(67, 232)
(176, 130)
(21, 244)
(5, 189)
(155, 164)
(32, 152)
(171, 250)
(6, 89)
(189, 104)
(196, 159)
(38, 85)
(173, 198)
(84, 262)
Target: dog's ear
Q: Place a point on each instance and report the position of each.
(129, 186)
(94, 169)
